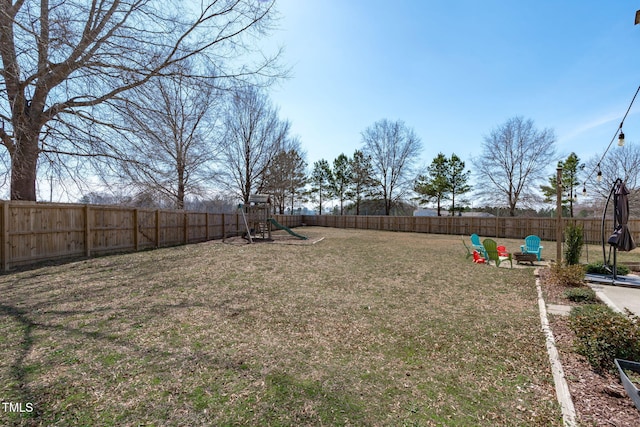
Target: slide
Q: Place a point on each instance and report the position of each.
(287, 229)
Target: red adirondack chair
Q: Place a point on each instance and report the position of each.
(477, 258)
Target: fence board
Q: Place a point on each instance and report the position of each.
(32, 232)
(499, 227)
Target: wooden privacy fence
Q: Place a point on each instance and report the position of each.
(33, 232)
(500, 227)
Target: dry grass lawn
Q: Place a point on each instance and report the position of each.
(362, 328)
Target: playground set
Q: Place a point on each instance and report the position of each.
(258, 221)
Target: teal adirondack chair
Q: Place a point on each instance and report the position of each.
(477, 245)
(469, 251)
(532, 246)
(491, 247)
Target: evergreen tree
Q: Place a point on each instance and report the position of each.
(285, 178)
(434, 185)
(362, 182)
(342, 178)
(322, 182)
(457, 179)
(571, 169)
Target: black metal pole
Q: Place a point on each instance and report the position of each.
(615, 226)
(604, 217)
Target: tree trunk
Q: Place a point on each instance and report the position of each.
(180, 195)
(24, 162)
(453, 204)
(571, 206)
(292, 201)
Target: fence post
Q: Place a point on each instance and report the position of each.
(186, 228)
(224, 235)
(206, 224)
(157, 228)
(5, 236)
(87, 231)
(135, 230)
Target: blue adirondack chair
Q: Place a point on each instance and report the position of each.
(532, 246)
(477, 245)
(469, 251)
(491, 247)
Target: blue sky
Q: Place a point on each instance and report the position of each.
(453, 70)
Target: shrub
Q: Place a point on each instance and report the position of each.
(568, 275)
(581, 294)
(598, 267)
(573, 242)
(603, 335)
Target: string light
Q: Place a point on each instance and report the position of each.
(620, 136)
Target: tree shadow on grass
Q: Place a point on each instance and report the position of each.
(18, 370)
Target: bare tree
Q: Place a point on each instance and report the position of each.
(514, 158)
(171, 144)
(394, 149)
(254, 133)
(64, 61)
(621, 162)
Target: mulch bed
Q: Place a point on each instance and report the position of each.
(599, 399)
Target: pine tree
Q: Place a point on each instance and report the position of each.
(571, 168)
(322, 182)
(434, 185)
(362, 182)
(457, 180)
(342, 178)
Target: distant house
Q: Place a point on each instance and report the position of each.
(479, 214)
(425, 212)
(433, 212)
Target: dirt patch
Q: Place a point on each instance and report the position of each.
(599, 399)
(276, 238)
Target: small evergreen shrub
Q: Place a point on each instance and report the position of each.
(573, 242)
(581, 294)
(568, 275)
(598, 267)
(603, 335)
